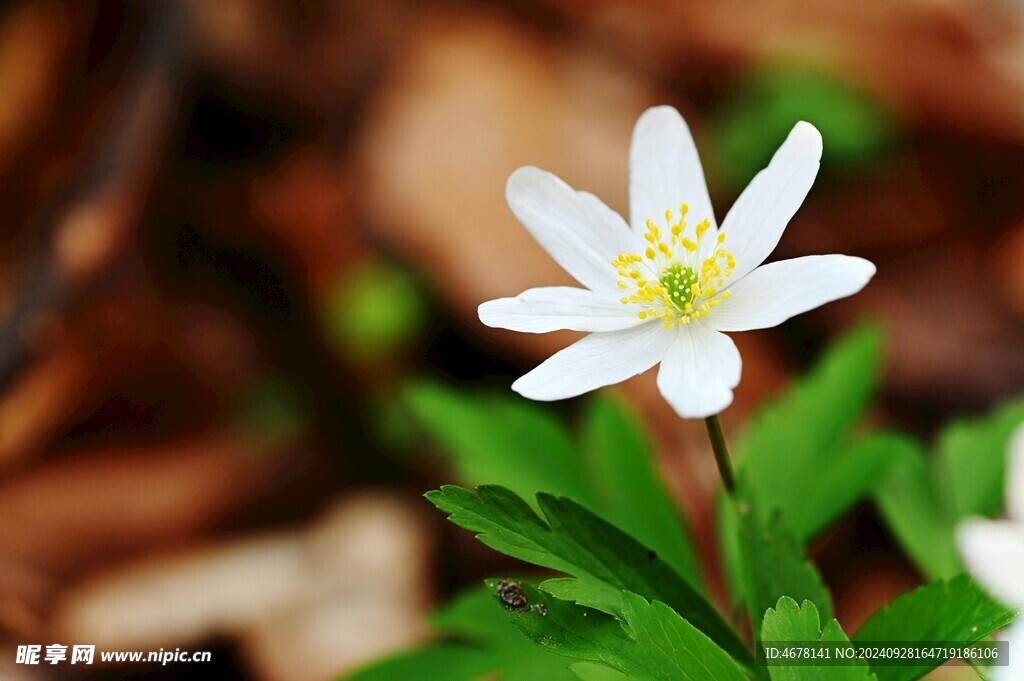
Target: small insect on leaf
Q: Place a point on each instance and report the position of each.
(541, 609)
(512, 595)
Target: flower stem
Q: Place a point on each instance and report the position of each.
(721, 452)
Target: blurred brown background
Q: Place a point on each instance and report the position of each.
(233, 229)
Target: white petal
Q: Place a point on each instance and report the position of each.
(699, 372)
(773, 293)
(665, 171)
(1015, 670)
(1015, 477)
(581, 233)
(540, 310)
(994, 553)
(756, 221)
(595, 361)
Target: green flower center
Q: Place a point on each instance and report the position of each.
(679, 282)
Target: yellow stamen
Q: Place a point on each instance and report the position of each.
(672, 285)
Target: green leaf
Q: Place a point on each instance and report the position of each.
(515, 442)
(775, 565)
(620, 464)
(505, 440)
(588, 671)
(795, 455)
(922, 525)
(481, 642)
(956, 610)
(573, 540)
(852, 473)
(972, 454)
(592, 593)
(789, 622)
(652, 643)
(923, 498)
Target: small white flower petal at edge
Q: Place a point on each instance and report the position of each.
(773, 293)
(994, 553)
(665, 169)
(595, 361)
(576, 229)
(1015, 483)
(756, 221)
(552, 308)
(1014, 635)
(699, 372)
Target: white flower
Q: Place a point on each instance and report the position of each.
(993, 551)
(663, 290)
